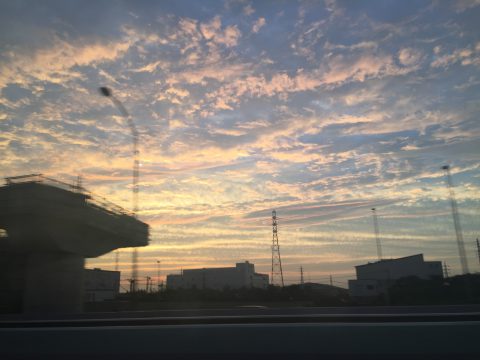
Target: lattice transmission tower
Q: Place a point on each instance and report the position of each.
(456, 221)
(277, 271)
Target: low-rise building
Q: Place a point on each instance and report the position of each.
(375, 278)
(242, 275)
(100, 285)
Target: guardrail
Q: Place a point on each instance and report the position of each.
(93, 199)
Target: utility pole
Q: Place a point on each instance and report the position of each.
(446, 269)
(276, 259)
(456, 221)
(158, 274)
(302, 282)
(133, 286)
(117, 259)
(377, 234)
(78, 185)
(478, 250)
(105, 91)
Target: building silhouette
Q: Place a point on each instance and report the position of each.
(50, 228)
(374, 279)
(242, 275)
(100, 285)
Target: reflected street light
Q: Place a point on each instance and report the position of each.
(105, 91)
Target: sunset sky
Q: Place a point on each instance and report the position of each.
(318, 109)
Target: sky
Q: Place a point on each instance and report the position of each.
(318, 109)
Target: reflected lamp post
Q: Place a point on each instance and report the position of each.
(107, 92)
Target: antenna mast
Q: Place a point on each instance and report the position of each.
(456, 221)
(377, 233)
(276, 259)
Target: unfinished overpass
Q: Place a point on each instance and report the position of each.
(50, 228)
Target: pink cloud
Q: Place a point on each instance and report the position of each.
(258, 25)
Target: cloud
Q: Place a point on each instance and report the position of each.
(466, 56)
(308, 38)
(56, 63)
(209, 30)
(372, 94)
(248, 10)
(230, 36)
(339, 109)
(216, 71)
(315, 213)
(463, 5)
(258, 25)
(213, 31)
(409, 56)
(178, 92)
(189, 26)
(472, 81)
(150, 68)
(364, 45)
(343, 69)
(339, 70)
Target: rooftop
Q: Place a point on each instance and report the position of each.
(391, 260)
(92, 199)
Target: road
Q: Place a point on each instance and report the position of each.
(301, 333)
(253, 310)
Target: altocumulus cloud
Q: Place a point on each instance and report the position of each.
(319, 110)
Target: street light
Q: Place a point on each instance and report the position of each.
(107, 92)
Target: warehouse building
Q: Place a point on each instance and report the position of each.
(373, 279)
(242, 275)
(100, 285)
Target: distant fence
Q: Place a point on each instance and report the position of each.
(95, 200)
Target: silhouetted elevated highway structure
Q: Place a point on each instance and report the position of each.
(51, 227)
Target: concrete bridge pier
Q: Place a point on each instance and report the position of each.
(51, 228)
(53, 283)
